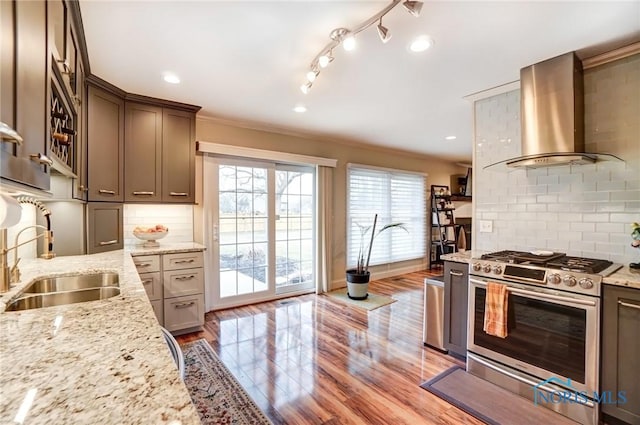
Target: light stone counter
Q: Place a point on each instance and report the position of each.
(462, 257)
(624, 277)
(96, 362)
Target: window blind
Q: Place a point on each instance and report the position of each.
(395, 196)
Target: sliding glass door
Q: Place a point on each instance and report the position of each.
(262, 240)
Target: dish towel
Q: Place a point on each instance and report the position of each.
(495, 310)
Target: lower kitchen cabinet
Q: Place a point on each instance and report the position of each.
(456, 286)
(620, 348)
(175, 286)
(104, 227)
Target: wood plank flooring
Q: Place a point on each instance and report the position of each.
(313, 360)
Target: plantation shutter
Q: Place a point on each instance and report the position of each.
(396, 196)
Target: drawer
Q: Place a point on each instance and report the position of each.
(152, 283)
(184, 260)
(178, 283)
(147, 263)
(158, 307)
(184, 312)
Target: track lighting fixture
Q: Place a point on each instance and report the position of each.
(346, 37)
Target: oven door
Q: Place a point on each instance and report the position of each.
(550, 334)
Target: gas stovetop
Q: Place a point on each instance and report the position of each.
(554, 270)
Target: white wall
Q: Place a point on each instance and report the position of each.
(178, 218)
(581, 210)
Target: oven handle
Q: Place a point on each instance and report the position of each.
(540, 295)
(518, 377)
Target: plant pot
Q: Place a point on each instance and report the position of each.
(357, 284)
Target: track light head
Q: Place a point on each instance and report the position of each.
(349, 43)
(305, 88)
(325, 60)
(413, 7)
(311, 75)
(383, 32)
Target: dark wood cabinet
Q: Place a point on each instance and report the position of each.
(26, 71)
(620, 348)
(178, 156)
(104, 227)
(456, 286)
(105, 146)
(143, 153)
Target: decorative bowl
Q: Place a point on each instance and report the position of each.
(150, 237)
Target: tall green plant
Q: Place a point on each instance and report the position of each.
(361, 266)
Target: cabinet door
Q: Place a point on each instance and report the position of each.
(178, 156)
(31, 76)
(105, 146)
(143, 153)
(104, 221)
(456, 284)
(620, 348)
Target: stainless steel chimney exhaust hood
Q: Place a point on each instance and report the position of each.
(552, 116)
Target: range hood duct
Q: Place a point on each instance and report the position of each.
(552, 115)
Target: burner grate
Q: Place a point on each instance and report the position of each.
(579, 264)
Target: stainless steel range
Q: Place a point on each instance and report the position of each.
(553, 324)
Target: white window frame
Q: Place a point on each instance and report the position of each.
(420, 248)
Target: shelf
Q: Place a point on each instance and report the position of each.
(444, 225)
(444, 243)
(461, 198)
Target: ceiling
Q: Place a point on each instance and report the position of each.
(245, 61)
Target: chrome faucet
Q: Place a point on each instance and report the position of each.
(12, 275)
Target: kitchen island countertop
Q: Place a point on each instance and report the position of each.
(95, 362)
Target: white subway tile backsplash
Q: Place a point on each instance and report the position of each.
(579, 209)
(178, 218)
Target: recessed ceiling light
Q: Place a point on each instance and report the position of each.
(450, 138)
(171, 78)
(300, 109)
(421, 43)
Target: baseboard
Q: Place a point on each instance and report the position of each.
(382, 274)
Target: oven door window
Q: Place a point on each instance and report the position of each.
(540, 333)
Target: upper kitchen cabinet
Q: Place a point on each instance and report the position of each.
(25, 87)
(159, 153)
(105, 145)
(143, 153)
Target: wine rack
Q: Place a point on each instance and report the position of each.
(63, 133)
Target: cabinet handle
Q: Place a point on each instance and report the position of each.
(106, 192)
(634, 306)
(41, 159)
(185, 277)
(142, 264)
(178, 194)
(109, 242)
(143, 193)
(147, 281)
(183, 305)
(82, 188)
(8, 134)
(191, 260)
(455, 273)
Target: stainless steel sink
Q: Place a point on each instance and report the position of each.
(72, 283)
(27, 302)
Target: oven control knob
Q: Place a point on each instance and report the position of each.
(476, 267)
(569, 280)
(586, 283)
(554, 278)
(497, 269)
(487, 268)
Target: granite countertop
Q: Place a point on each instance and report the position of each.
(461, 256)
(95, 362)
(624, 277)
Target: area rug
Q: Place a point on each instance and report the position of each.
(372, 302)
(217, 395)
(488, 402)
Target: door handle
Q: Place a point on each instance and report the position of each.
(178, 194)
(106, 192)
(143, 193)
(634, 306)
(109, 242)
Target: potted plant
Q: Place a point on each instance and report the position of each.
(358, 278)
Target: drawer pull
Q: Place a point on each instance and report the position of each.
(143, 264)
(109, 242)
(191, 260)
(41, 159)
(143, 193)
(147, 281)
(634, 306)
(178, 194)
(185, 277)
(184, 305)
(455, 273)
(106, 192)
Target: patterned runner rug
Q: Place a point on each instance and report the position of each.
(217, 395)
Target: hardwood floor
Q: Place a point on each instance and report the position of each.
(313, 360)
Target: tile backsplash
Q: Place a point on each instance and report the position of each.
(178, 218)
(582, 210)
